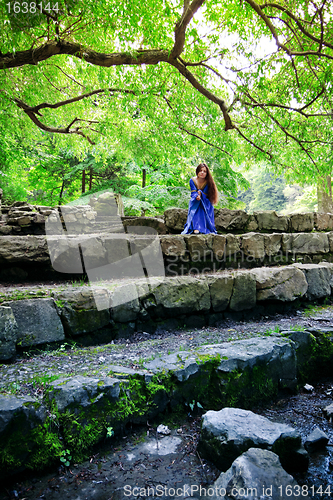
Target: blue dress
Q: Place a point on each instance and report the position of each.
(200, 212)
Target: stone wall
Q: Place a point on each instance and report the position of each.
(120, 308)
(238, 221)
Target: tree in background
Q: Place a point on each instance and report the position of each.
(194, 70)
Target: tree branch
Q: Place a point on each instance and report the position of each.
(188, 12)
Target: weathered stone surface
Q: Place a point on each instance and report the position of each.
(253, 245)
(272, 243)
(181, 295)
(269, 220)
(125, 303)
(175, 219)
(228, 220)
(199, 247)
(23, 249)
(316, 440)
(8, 333)
(228, 433)
(220, 288)
(64, 253)
(37, 321)
(280, 283)
(305, 243)
(108, 203)
(328, 410)
(252, 224)
(318, 278)
(323, 221)
(83, 310)
(232, 246)
(217, 243)
(301, 222)
(82, 391)
(184, 365)
(244, 291)
(5, 230)
(174, 246)
(273, 354)
(19, 418)
(153, 222)
(256, 474)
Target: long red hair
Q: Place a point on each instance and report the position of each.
(213, 194)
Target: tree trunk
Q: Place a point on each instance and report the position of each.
(83, 181)
(324, 195)
(144, 174)
(90, 179)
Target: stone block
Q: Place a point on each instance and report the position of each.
(244, 291)
(23, 249)
(220, 287)
(230, 220)
(233, 246)
(175, 219)
(8, 333)
(217, 243)
(301, 222)
(253, 245)
(323, 221)
(199, 247)
(174, 246)
(318, 278)
(285, 283)
(272, 244)
(269, 220)
(303, 243)
(37, 321)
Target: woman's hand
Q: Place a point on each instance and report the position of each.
(199, 195)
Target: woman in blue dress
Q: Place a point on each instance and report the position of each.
(204, 194)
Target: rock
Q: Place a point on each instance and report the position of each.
(252, 224)
(180, 295)
(323, 221)
(272, 244)
(318, 278)
(217, 243)
(23, 249)
(82, 392)
(257, 474)
(232, 246)
(269, 220)
(5, 230)
(146, 222)
(228, 433)
(8, 333)
(229, 220)
(253, 245)
(308, 388)
(316, 440)
(83, 310)
(21, 419)
(108, 203)
(174, 247)
(303, 243)
(244, 291)
(301, 222)
(37, 321)
(220, 287)
(125, 303)
(163, 429)
(279, 283)
(328, 410)
(175, 219)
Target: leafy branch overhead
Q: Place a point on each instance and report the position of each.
(210, 67)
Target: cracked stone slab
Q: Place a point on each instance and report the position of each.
(280, 283)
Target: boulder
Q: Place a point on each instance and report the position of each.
(230, 220)
(232, 246)
(220, 287)
(253, 246)
(200, 247)
(37, 321)
(303, 222)
(317, 440)
(279, 283)
(228, 433)
(303, 243)
(269, 220)
(244, 291)
(175, 219)
(318, 278)
(8, 333)
(256, 474)
(174, 247)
